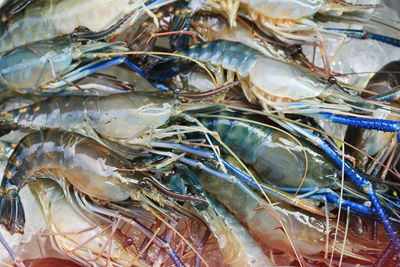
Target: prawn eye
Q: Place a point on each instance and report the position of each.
(128, 242)
(332, 80)
(142, 183)
(296, 49)
(74, 35)
(177, 91)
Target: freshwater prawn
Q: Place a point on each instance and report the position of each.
(239, 248)
(90, 167)
(48, 66)
(124, 119)
(48, 19)
(274, 84)
(295, 21)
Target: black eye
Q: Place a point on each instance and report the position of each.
(332, 80)
(332, 234)
(296, 50)
(128, 242)
(74, 35)
(142, 183)
(177, 91)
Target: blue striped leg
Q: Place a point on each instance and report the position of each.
(86, 71)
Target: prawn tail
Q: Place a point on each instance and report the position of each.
(12, 215)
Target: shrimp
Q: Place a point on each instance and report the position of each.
(238, 246)
(69, 229)
(121, 118)
(269, 82)
(294, 21)
(241, 249)
(48, 19)
(36, 67)
(213, 27)
(307, 232)
(90, 167)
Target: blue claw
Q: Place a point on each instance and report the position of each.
(86, 70)
(366, 123)
(373, 124)
(362, 34)
(335, 199)
(110, 63)
(357, 178)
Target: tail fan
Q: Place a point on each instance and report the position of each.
(12, 215)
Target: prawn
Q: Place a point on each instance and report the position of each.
(43, 20)
(295, 21)
(36, 67)
(238, 246)
(90, 167)
(273, 84)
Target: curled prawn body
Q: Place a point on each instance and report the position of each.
(83, 162)
(88, 166)
(48, 19)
